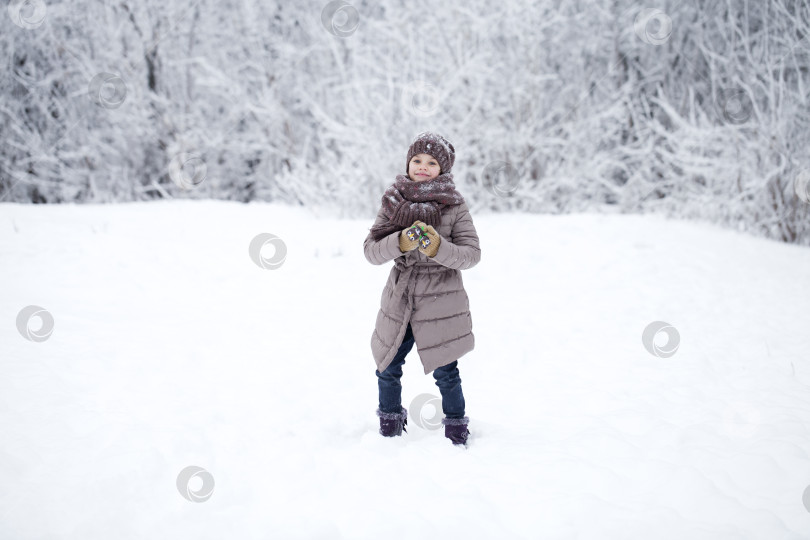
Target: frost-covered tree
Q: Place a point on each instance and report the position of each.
(695, 108)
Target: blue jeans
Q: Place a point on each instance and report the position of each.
(447, 379)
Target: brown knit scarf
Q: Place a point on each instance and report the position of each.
(406, 201)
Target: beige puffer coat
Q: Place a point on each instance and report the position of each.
(427, 292)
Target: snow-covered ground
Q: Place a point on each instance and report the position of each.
(171, 348)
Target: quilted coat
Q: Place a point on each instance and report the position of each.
(427, 292)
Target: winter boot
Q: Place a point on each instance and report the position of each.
(456, 430)
(392, 424)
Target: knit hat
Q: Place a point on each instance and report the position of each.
(435, 145)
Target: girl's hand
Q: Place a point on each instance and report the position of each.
(435, 240)
(405, 244)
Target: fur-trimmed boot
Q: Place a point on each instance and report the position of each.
(392, 424)
(456, 430)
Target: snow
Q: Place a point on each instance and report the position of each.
(172, 349)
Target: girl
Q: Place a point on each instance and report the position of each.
(424, 300)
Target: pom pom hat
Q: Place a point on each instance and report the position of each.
(435, 145)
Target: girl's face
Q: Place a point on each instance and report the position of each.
(423, 167)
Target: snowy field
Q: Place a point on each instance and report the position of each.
(171, 348)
